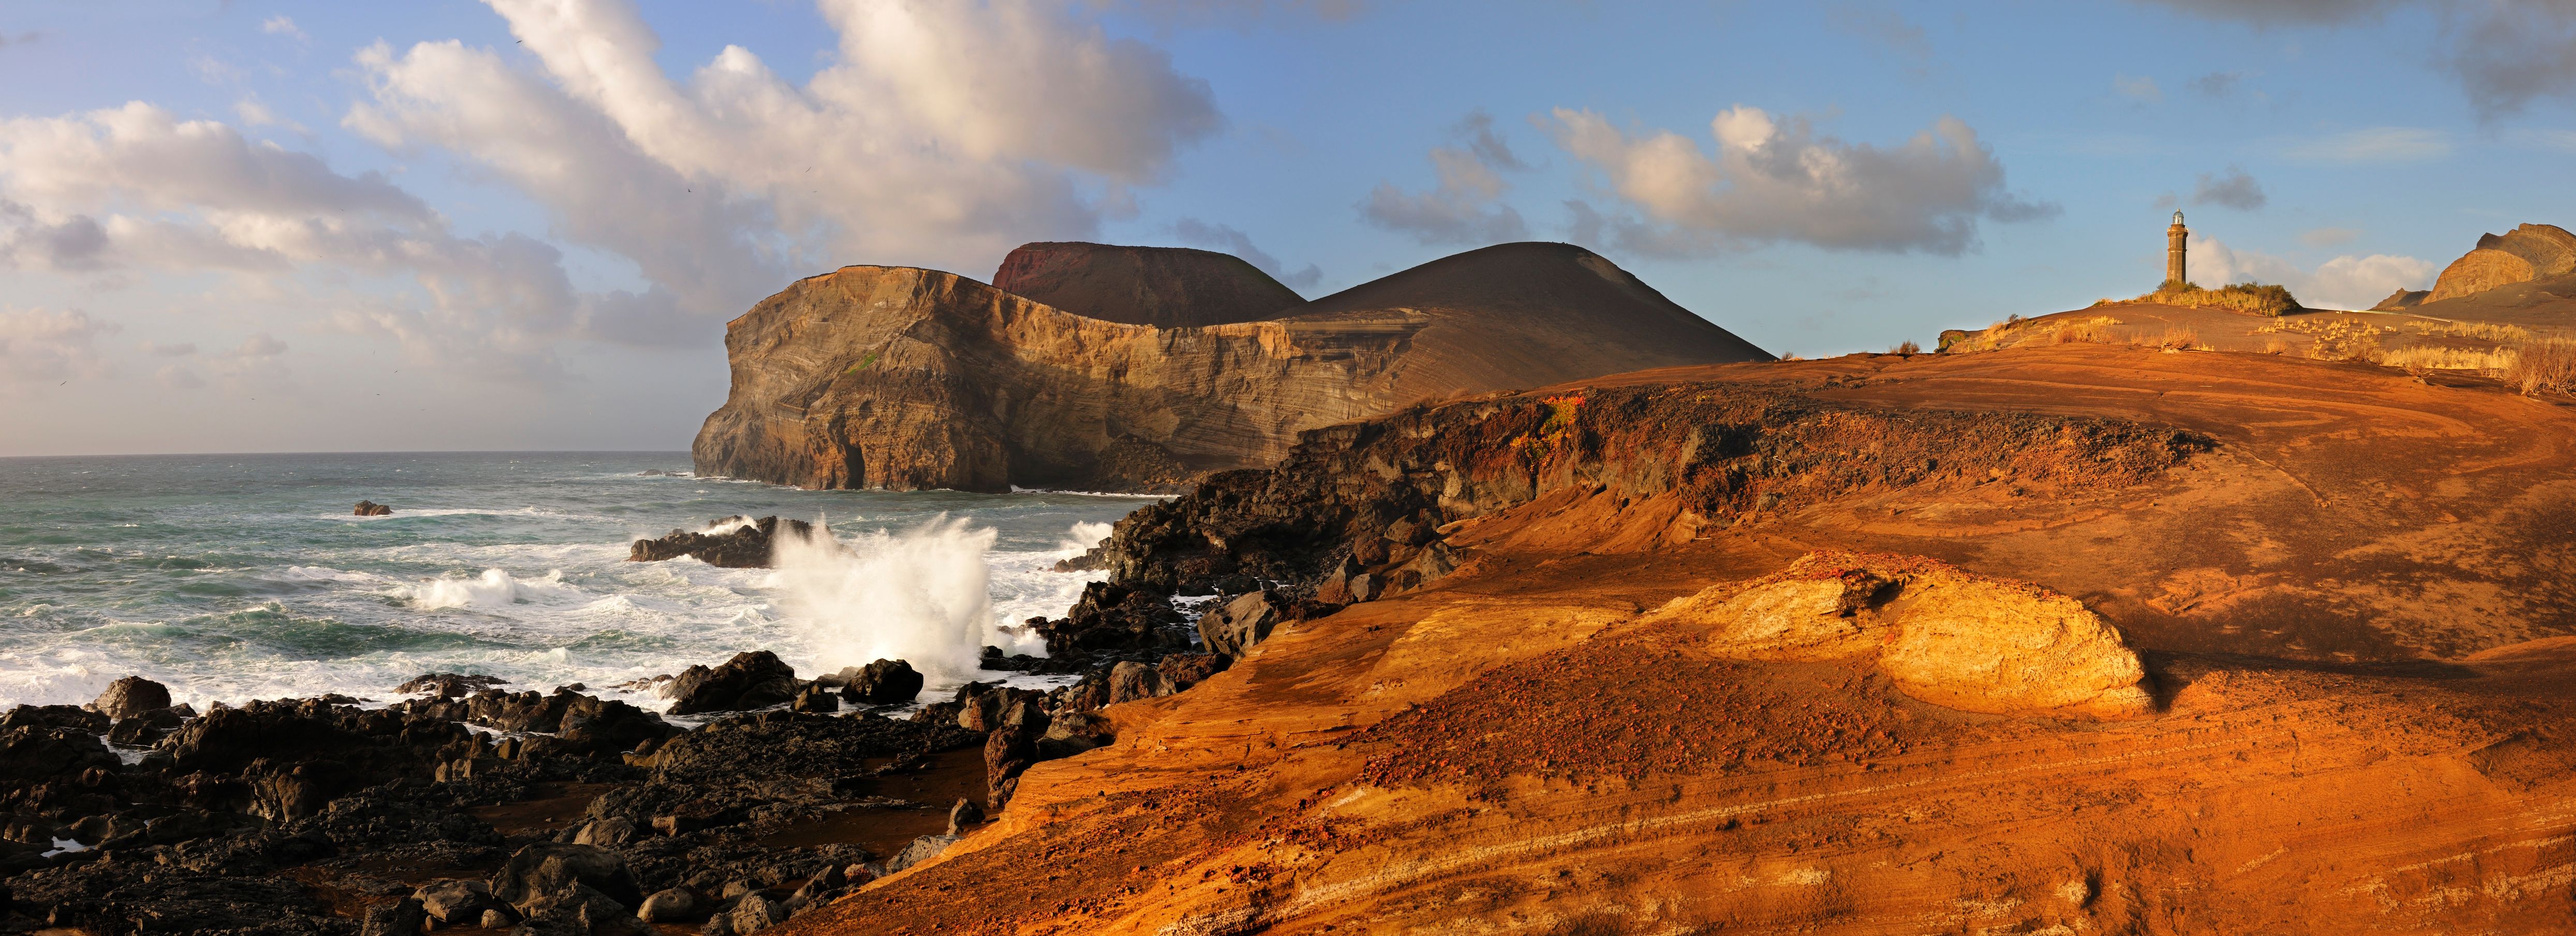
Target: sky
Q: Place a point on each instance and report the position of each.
(522, 224)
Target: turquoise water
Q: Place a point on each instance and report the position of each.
(235, 577)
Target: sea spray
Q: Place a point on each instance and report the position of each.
(922, 595)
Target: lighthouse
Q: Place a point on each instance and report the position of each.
(2174, 247)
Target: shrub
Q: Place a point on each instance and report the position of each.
(2247, 298)
(2416, 359)
(2544, 366)
(1906, 347)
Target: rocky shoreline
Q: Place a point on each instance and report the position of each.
(470, 806)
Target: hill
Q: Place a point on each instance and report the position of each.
(1166, 287)
(902, 378)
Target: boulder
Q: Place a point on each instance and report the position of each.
(1130, 681)
(816, 698)
(884, 682)
(456, 902)
(737, 543)
(756, 913)
(400, 918)
(756, 679)
(963, 816)
(131, 696)
(35, 753)
(1011, 749)
(922, 849)
(57, 716)
(1942, 634)
(368, 508)
(1233, 627)
(598, 726)
(1073, 732)
(611, 832)
(1180, 671)
(1115, 617)
(549, 868)
(668, 906)
(449, 685)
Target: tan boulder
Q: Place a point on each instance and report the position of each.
(1944, 635)
(1995, 645)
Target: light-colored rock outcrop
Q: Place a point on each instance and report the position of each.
(1941, 634)
(2526, 253)
(902, 378)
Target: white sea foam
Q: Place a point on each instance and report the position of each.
(493, 589)
(921, 595)
(1084, 535)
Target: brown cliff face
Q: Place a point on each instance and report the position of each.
(900, 378)
(2526, 253)
(1166, 287)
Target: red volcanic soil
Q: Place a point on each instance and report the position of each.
(2354, 606)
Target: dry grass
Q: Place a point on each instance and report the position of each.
(2247, 298)
(2483, 331)
(2337, 339)
(2416, 359)
(2276, 345)
(2544, 366)
(2181, 338)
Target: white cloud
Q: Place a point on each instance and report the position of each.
(1773, 180)
(945, 134)
(282, 25)
(2345, 282)
(41, 348)
(2374, 144)
(2141, 89)
(1465, 207)
(1199, 233)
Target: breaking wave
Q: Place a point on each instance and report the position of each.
(921, 595)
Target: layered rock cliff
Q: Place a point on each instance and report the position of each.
(2526, 253)
(901, 378)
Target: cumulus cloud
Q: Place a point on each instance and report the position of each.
(2374, 145)
(42, 348)
(1465, 207)
(2141, 89)
(1197, 233)
(2345, 282)
(137, 188)
(1777, 180)
(944, 134)
(2233, 190)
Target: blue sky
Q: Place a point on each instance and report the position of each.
(451, 225)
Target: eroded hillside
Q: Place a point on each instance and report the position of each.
(2346, 588)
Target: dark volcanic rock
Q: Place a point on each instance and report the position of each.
(550, 868)
(883, 682)
(368, 508)
(31, 753)
(56, 716)
(751, 680)
(449, 685)
(1367, 502)
(131, 696)
(1233, 627)
(1116, 617)
(748, 545)
(786, 743)
(604, 726)
(1180, 671)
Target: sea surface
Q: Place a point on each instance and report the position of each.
(234, 577)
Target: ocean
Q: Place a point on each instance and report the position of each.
(234, 577)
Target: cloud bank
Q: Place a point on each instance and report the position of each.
(1773, 180)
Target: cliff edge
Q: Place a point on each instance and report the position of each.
(903, 378)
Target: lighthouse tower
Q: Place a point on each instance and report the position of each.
(2174, 247)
